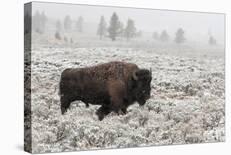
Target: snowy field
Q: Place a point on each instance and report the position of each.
(187, 103)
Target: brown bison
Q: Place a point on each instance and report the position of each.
(113, 85)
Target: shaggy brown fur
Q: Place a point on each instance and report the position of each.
(114, 85)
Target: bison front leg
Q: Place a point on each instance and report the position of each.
(117, 105)
(102, 112)
(117, 92)
(124, 110)
(65, 103)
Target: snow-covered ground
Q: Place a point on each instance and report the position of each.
(187, 102)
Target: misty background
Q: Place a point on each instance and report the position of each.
(66, 21)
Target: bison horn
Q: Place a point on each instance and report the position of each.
(134, 76)
(150, 71)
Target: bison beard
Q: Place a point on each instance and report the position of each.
(113, 85)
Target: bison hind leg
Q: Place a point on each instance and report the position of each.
(102, 112)
(87, 105)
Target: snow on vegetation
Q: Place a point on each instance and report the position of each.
(187, 103)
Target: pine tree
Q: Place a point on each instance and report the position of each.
(79, 24)
(121, 30)
(164, 36)
(43, 21)
(155, 35)
(58, 25)
(212, 40)
(179, 36)
(139, 33)
(65, 39)
(27, 23)
(37, 22)
(67, 23)
(71, 41)
(130, 29)
(114, 28)
(57, 35)
(102, 28)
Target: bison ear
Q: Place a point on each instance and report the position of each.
(134, 75)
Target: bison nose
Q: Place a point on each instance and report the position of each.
(141, 102)
(147, 97)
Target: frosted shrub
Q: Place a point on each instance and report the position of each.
(185, 106)
(57, 35)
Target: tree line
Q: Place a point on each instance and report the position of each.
(114, 30)
(68, 25)
(179, 37)
(39, 22)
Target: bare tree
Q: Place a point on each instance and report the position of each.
(102, 28)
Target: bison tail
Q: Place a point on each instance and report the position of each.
(59, 92)
(55, 89)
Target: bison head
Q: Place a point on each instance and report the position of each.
(141, 81)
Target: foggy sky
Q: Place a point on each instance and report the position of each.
(195, 24)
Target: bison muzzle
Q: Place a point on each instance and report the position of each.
(113, 85)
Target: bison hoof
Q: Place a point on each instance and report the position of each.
(124, 111)
(63, 110)
(100, 115)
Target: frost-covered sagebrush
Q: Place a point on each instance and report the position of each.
(186, 104)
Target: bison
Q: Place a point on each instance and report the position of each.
(113, 85)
